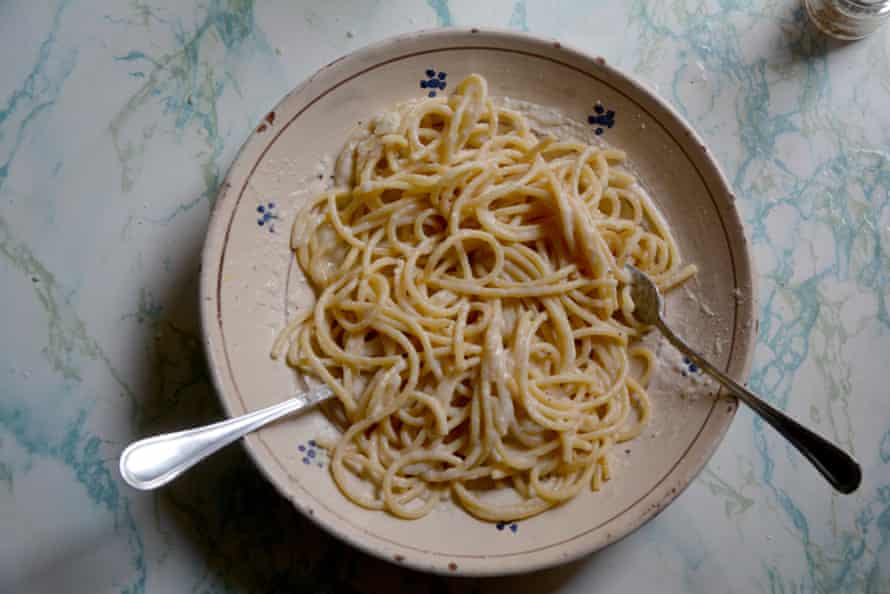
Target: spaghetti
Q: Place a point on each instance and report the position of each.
(471, 315)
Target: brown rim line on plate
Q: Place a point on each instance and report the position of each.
(242, 257)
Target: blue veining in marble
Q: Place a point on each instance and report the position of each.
(137, 56)
(443, 12)
(80, 451)
(37, 93)
(25, 414)
(189, 84)
(519, 19)
(68, 342)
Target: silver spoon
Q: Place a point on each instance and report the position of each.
(838, 467)
(155, 461)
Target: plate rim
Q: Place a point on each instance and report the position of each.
(676, 481)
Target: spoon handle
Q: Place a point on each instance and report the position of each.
(837, 466)
(155, 461)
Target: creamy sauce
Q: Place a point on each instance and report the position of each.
(343, 169)
(496, 370)
(546, 121)
(695, 299)
(668, 376)
(388, 123)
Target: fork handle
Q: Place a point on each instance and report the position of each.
(836, 465)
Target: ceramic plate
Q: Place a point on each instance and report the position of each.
(251, 284)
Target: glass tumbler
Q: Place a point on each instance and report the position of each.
(848, 19)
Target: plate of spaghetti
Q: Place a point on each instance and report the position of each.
(436, 227)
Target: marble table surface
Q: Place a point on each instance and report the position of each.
(118, 121)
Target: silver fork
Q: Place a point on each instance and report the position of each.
(837, 466)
